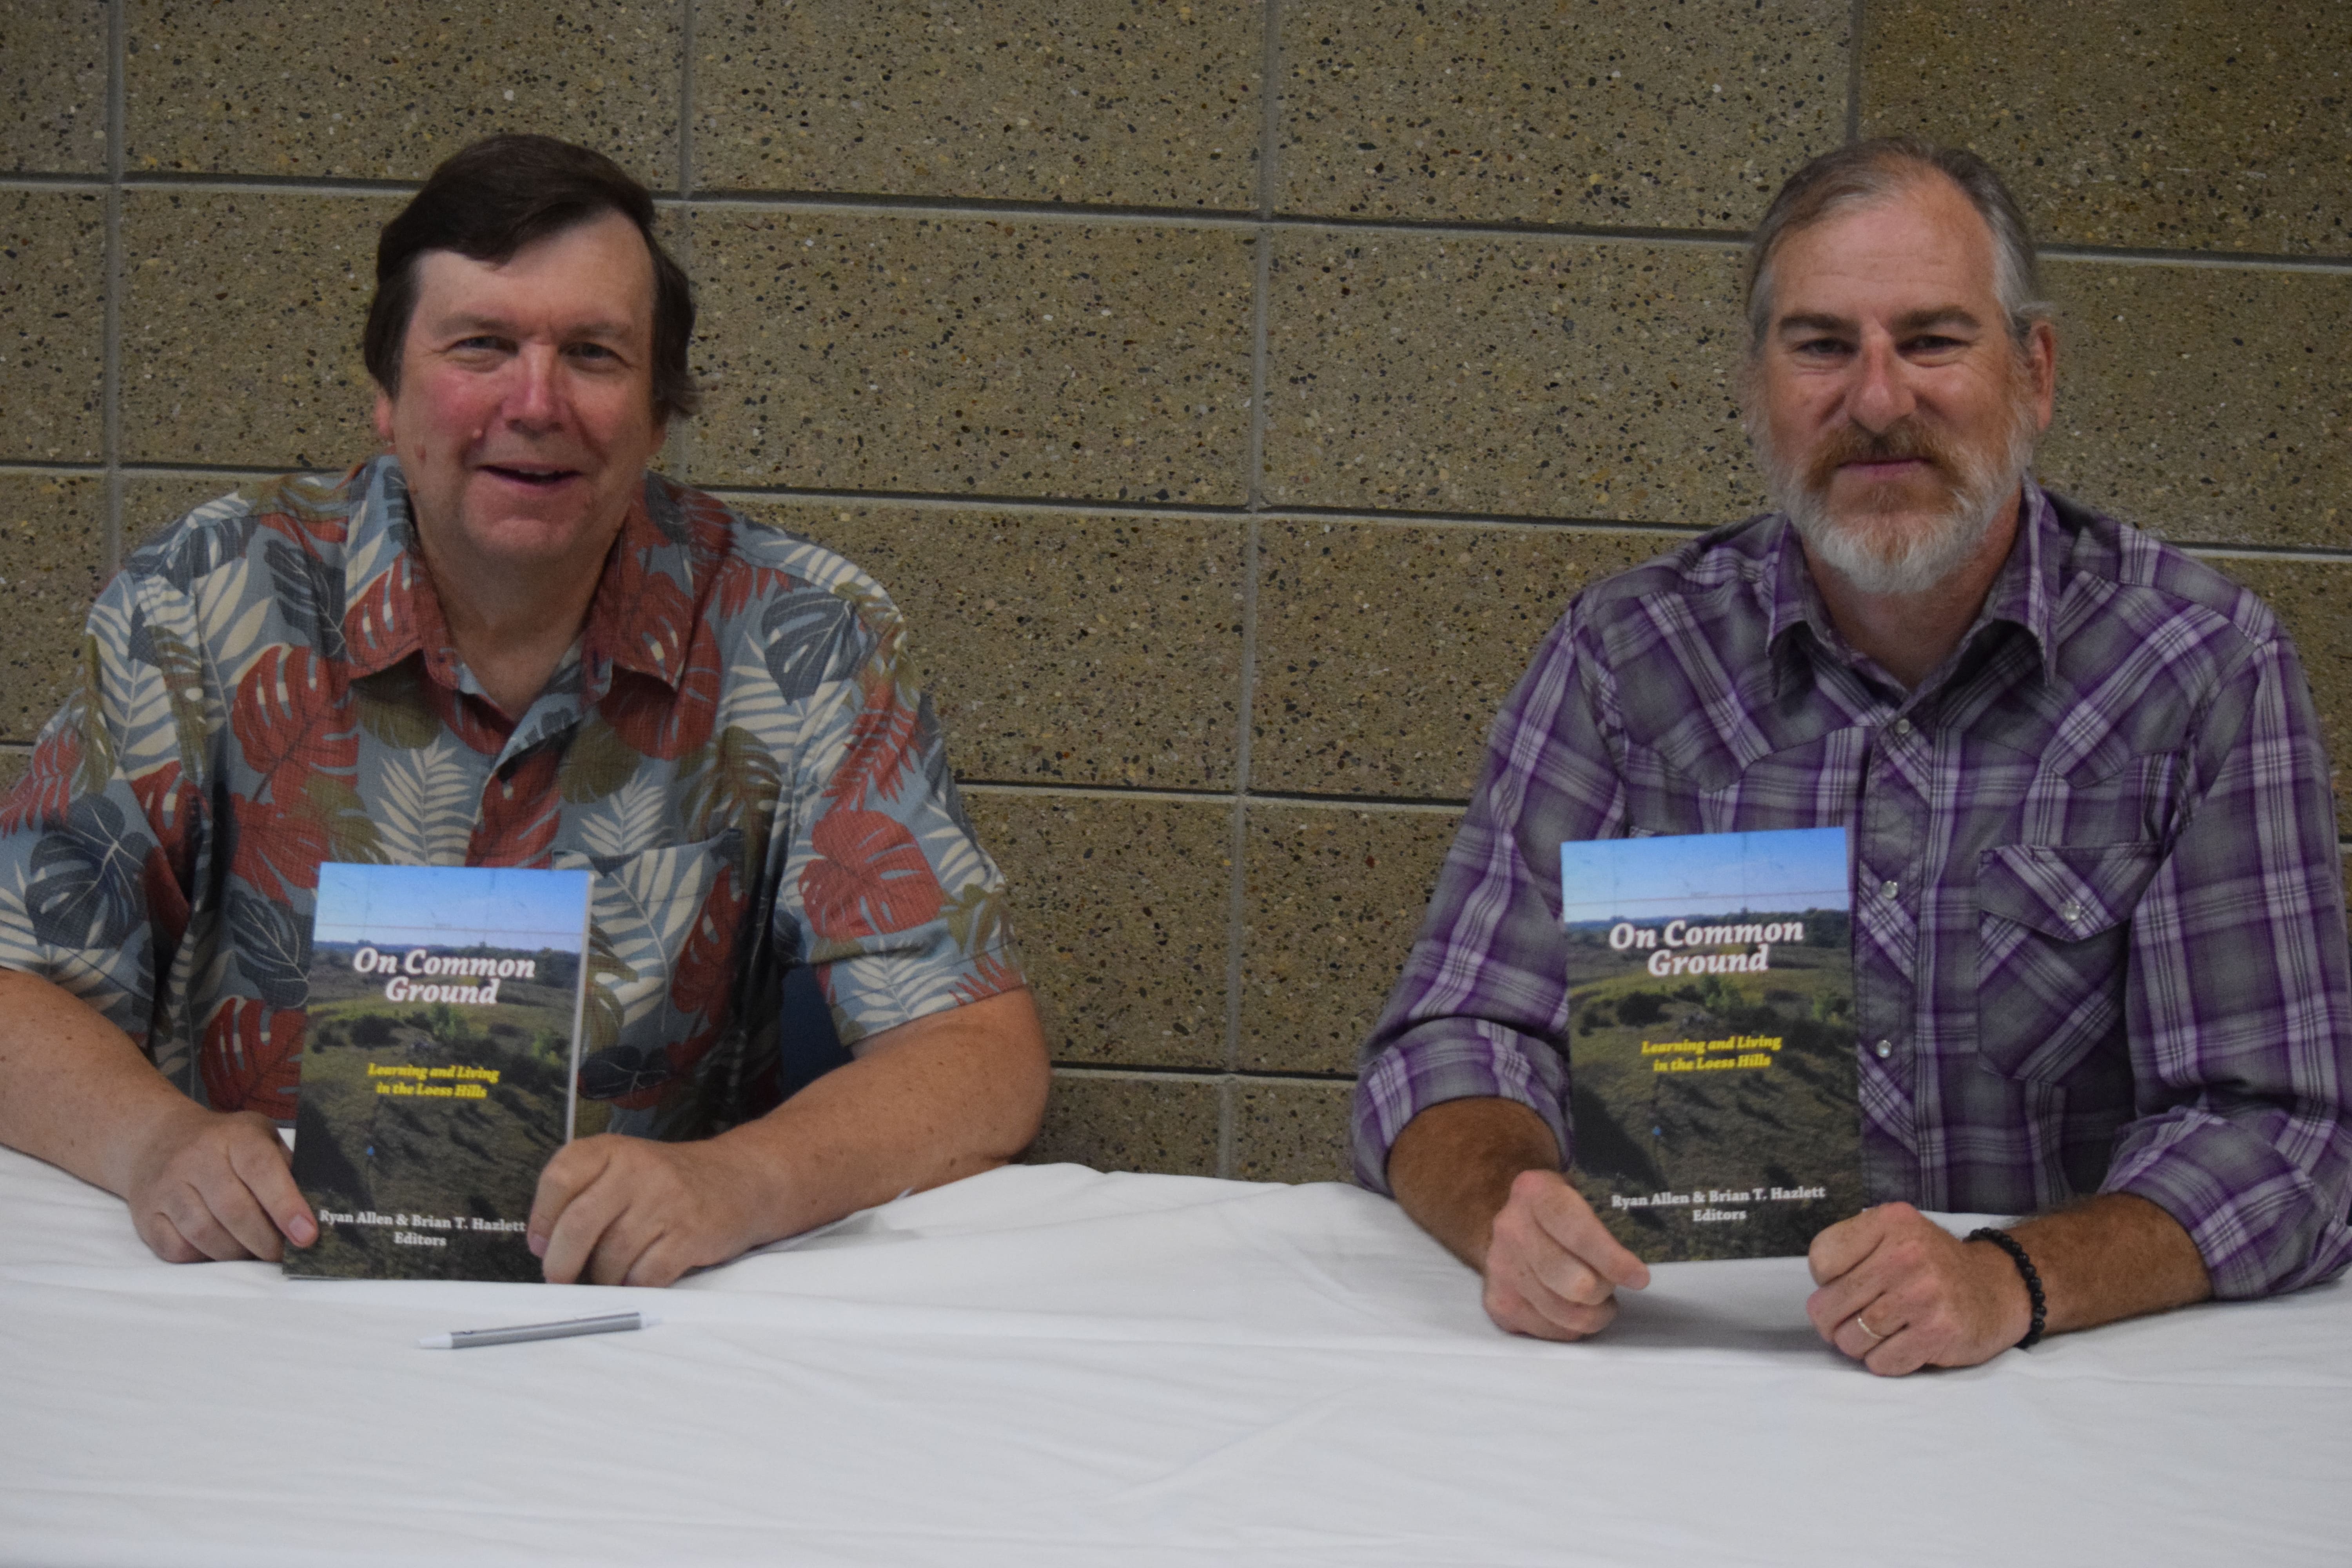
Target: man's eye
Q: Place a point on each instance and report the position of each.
(482, 344)
(1821, 348)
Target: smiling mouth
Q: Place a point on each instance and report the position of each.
(536, 476)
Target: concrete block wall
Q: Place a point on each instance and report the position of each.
(1232, 390)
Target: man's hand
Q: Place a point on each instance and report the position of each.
(200, 1183)
(1483, 1176)
(1552, 1270)
(216, 1185)
(1899, 1292)
(934, 1099)
(623, 1211)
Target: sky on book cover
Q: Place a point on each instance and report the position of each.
(1703, 874)
(451, 906)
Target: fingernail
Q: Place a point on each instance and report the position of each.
(303, 1232)
(538, 1244)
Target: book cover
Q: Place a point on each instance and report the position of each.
(1711, 1039)
(438, 1066)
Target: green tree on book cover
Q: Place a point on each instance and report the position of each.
(1711, 1039)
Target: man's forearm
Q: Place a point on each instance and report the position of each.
(74, 1089)
(1452, 1168)
(2111, 1256)
(944, 1097)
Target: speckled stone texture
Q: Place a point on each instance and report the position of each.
(1088, 650)
(241, 328)
(1130, 102)
(1623, 114)
(152, 502)
(1332, 901)
(52, 559)
(14, 766)
(2210, 404)
(52, 325)
(2310, 598)
(53, 87)
(1120, 912)
(968, 356)
(386, 92)
(1130, 1122)
(1290, 1131)
(1557, 377)
(1385, 650)
(2170, 123)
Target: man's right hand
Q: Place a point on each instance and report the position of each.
(216, 1185)
(1483, 1176)
(200, 1183)
(1552, 1270)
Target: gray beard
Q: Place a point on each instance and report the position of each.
(1877, 558)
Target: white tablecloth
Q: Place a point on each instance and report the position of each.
(1048, 1366)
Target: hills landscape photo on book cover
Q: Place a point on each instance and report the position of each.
(437, 1065)
(1711, 1037)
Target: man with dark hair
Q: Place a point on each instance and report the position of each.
(506, 643)
(2100, 958)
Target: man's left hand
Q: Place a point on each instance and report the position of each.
(627, 1211)
(1899, 1292)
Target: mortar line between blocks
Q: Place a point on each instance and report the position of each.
(685, 99)
(111, 346)
(1253, 491)
(1854, 27)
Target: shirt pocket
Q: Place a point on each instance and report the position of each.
(2053, 933)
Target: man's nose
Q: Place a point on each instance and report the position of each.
(1880, 395)
(533, 396)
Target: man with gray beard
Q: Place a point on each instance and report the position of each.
(2100, 964)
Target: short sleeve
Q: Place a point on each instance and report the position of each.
(95, 839)
(886, 891)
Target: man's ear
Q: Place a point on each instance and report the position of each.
(384, 417)
(2041, 366)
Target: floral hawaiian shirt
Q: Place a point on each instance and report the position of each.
(735, 746)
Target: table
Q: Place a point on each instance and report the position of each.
(1047, 1365)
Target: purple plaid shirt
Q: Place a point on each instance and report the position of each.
(2098, 914)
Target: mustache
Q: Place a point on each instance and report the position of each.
(1903, 440)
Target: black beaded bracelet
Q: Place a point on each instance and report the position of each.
(2009, 1243)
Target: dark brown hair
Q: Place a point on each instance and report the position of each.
(491, 199)
(1871, 171)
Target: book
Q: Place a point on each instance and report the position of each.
(1711, 1039)
(440, 1059)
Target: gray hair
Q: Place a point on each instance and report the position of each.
(1873, 171)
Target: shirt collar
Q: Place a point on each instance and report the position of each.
(2024, 592)
(639, 619)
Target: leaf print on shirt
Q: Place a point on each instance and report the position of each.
(425, 804)
(701, 984)
(85, 878)
(870, 877)
(881, 748)
(659, 723)
(251, 1059)
(279, 848)
(392, 707)
(289, 721)
(310, 596)
(520, 814)
(812, 638)
(46, 790)
(598, 760)
(381, 624)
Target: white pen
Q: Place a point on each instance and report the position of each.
(465, 1339)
